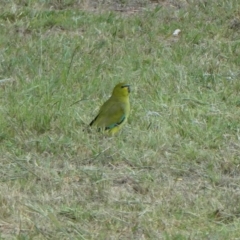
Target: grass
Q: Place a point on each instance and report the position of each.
(172, 173)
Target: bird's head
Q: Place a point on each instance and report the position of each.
(121, 90)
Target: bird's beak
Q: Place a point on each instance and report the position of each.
(128, 87)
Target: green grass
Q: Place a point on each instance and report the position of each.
(173, 171)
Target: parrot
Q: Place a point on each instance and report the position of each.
(114, 113)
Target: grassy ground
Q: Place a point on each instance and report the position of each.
(174, 170)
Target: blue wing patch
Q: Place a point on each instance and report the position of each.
(115, 124)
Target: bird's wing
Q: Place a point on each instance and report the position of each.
(110, 115)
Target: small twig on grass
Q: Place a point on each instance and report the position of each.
(83, 99)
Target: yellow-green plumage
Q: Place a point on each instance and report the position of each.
(115, 111)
